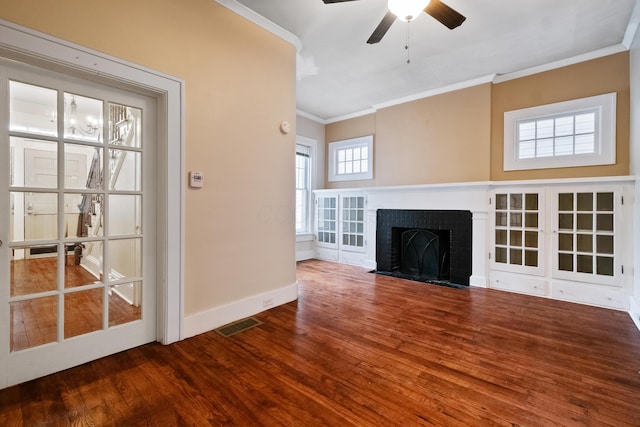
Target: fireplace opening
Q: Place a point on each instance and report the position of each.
(425, 245)
(423, 254)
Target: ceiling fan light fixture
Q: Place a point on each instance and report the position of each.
(407, 10)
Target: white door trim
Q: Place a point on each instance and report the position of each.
(35, 48)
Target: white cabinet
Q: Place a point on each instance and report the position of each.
(586, 237)
(340, 227)
(518, 234)
(578, 256)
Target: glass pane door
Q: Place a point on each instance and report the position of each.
(77, 221)
(75, 213)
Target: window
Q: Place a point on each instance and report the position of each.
(351, 159)
(573, 133)
(303, 187)
(557, 136)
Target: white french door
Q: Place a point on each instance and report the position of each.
(77, 221)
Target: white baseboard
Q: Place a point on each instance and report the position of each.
(208, 320)
(370, 265)
(124, 291)
(478, 281)
(92, 264)
(634, 311)
(305, 254)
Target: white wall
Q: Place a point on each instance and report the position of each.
(635, 168)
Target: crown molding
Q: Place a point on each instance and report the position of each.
(606, 51)
(437, 91)
(311, 117)
(632, 27)
(261, 21)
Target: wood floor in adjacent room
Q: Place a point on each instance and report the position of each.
(364, 350)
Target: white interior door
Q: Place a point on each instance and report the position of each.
(40, 168)
(77, 221)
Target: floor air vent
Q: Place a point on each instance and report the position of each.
(238, 326)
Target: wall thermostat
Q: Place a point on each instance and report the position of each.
(196, 180)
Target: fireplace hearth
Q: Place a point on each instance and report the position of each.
(431, 246)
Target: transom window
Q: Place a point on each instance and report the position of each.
(351, 159)
(558, 136)
(580, 132)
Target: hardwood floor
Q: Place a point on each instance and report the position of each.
(365, 350)
(34, 321)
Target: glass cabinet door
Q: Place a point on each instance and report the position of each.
(586, 236)
(352, 223)
(327, 221)
(517, 232)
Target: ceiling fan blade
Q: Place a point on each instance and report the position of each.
(335, 1)
(445, 14)
(382, 28)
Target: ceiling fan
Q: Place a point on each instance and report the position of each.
(408, 10)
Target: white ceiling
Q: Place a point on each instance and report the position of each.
(339, 74)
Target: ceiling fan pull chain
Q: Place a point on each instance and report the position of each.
(406, 46)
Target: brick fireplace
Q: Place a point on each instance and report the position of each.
(425, 245)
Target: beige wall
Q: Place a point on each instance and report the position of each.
(240, 84)
(444, 138)
(595, 77)
(458, 136)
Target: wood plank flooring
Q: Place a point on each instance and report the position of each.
(34, 321)
(359, 349)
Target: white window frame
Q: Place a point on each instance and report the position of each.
(335, 147)
(303, 218)
(605, 137)
(312, 145)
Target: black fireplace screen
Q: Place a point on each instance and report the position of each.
(424, 254)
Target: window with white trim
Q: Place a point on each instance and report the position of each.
(580, 132)
(351, 159)
(303, 188)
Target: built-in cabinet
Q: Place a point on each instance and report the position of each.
(340, 227)
(564, 242)
(518, 231)
(562, 239)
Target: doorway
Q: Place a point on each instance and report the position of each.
(79, 220)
